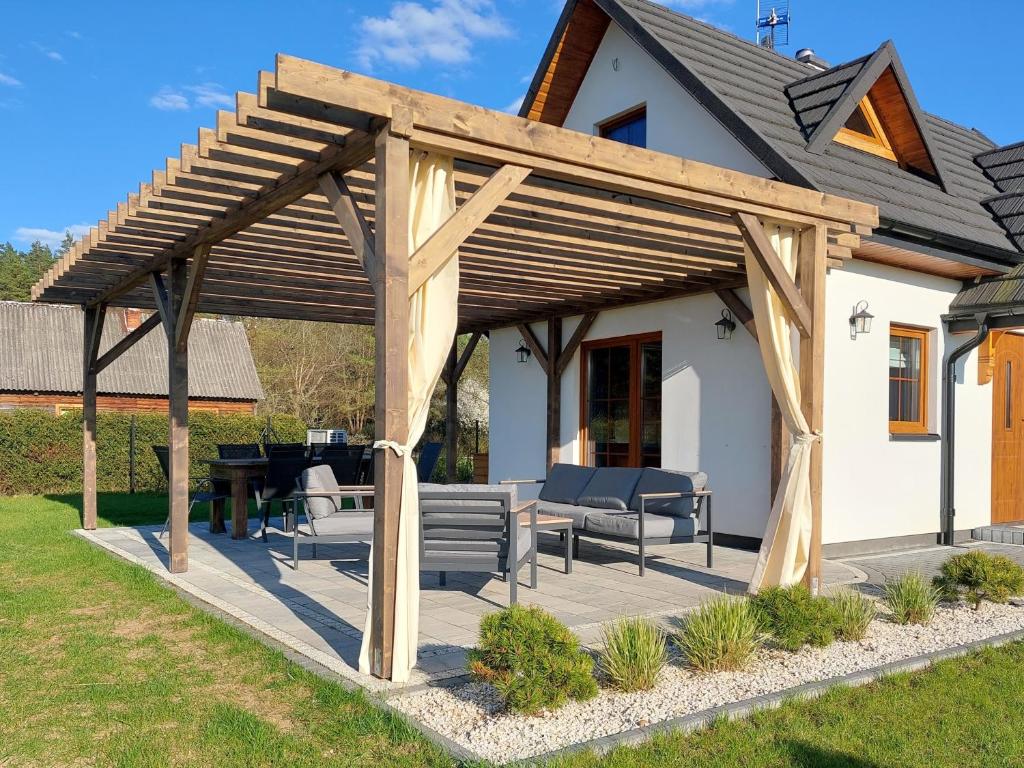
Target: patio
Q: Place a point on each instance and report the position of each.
(318, 611)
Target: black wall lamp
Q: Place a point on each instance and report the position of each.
(522, 351)
(860, 320)
(725, 327)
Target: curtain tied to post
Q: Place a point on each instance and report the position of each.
(433, 319)
(786, 546)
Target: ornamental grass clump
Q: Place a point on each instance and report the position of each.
(633, 653)
(911, 599)
(793, 617)
(976, 576)
(722, 634)
(532, 660)
(855, 613)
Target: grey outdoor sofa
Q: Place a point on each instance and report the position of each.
(642, 506)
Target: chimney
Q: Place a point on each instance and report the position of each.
(811, 59)
(132, 319)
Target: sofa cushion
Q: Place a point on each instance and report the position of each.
(625, 525)
(668, 481)
(320, 478)
(610, 488)
(574, 512)
(565, 482)
(344, 523)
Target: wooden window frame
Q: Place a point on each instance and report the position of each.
(919, 427)
(635, 403)
(617, 121)
(879, 144)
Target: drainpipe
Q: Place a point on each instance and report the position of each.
(949, 426)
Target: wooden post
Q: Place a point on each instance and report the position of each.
(177, 406)
(90, 348)
(391, 241)
(554, 432)
(812, 267)
(451, 428)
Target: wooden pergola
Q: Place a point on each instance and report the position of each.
(296, 206)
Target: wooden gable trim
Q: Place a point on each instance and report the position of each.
(877, 144)
(569, 55)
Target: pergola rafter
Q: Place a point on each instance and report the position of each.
(295, 206)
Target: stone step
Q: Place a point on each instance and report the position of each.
(1000, 534)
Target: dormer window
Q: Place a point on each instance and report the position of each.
(629, 128)
(863, 130)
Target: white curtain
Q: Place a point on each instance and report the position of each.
(433, 320)
(785, 548)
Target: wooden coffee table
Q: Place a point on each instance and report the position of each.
(551, 523)
(240, 472)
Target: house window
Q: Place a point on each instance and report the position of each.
(908, 380)
(864, 131)
(620, 414)
(630, 128)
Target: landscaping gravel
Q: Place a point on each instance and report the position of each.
(472, 716)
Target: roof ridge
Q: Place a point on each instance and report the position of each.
(719, 30)
(830, 70)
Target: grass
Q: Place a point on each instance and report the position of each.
(100, 665)
(722, 634)
(633, 653)
(910, 599)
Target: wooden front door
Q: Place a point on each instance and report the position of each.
(1008, 430)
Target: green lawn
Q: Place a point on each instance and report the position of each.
(100, 665)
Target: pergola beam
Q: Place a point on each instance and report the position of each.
(391, 421)
(92, 333)
(352, 221)
(129, 341)
(431, 257)
(761, 247)
(190, 300)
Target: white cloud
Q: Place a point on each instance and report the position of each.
(48, 52)
(50, 237)
(444, 33)
(8, 80)
(211, 95)
(514, 107)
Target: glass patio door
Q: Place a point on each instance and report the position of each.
(621, 402)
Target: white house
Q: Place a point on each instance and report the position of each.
(653, 385)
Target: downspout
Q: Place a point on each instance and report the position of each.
(949, 425)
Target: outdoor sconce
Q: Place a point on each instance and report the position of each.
(725, 326)
(522, 352)
(860, 320)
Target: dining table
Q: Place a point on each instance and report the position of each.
(240, 472)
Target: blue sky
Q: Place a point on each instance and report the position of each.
(93, 97)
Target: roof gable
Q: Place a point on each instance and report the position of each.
(824, 103)
(745, 87)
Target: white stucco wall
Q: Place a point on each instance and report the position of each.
(676, 123)
(715, 405)
(875, 486)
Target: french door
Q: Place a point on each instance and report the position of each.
(620, 401)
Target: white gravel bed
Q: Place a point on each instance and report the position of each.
(472, 716)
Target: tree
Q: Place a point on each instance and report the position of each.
(20, 270)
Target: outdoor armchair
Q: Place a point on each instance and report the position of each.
(476, 529)
(322, 501)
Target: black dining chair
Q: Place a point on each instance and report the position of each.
(292, 450)
(280, 485)
(206, 490)
(427, 461)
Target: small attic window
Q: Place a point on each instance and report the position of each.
(864, 131)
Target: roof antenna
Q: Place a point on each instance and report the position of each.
(773, 26)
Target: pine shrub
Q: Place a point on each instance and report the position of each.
(855, 613)
(911, 599)
(633, 653)
(532, 660)
(976, 576)
(722, 634)
(793, 617)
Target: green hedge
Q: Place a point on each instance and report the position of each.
(42, 453)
